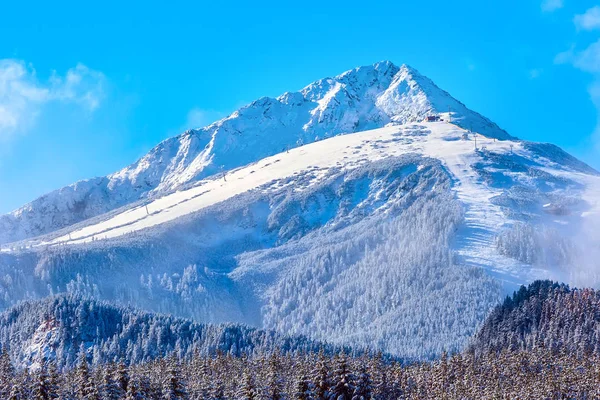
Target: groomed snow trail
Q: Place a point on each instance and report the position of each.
(347, 151)
(474, 242)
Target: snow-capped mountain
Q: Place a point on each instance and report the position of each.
(363, 98)
(401, 237)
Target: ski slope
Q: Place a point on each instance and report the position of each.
(453, 146)
(474, 243)
(345, 151)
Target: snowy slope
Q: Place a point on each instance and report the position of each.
(442, 141)
(55, 329)
(400, 238)
(363, 98)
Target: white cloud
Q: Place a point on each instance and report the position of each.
(588, 21)
(594, 91)
(587, 60)
(535, 73)
(199, 118)
(565, 57)
(23, 96)
(552, 5)
(470, 64)
(81, 85)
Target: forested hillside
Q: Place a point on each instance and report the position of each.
(544, 315)
(540, 343)
(59, 328)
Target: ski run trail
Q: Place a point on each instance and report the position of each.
(453, 146)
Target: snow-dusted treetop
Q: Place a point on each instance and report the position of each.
(363, 98)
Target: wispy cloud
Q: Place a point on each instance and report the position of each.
(552, 5)
(199, 118)
(594, 91)
(587, 60)
(535, 73)
(23, 96)
(588, 21)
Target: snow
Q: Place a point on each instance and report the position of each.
(37, 349)
(348, 151)
(333, 212)
(483, 219)
(360, 99)
(474, 243)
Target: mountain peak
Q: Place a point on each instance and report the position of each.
(362, 98)
(397, 94)
(383, 64)
(407, 69)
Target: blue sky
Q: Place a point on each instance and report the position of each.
(86, 89)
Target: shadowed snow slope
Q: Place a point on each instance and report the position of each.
(400, 238)
(363, 98)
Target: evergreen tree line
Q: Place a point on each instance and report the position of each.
(531, 374)
(545, 314)
(540, 343)
(57, 327)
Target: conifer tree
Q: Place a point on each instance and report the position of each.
(247, 389)
(41, 385)
(378, 372)
(7, 373)
(134, 390)
(302, 390)
(86, 387)
(274, 382)
(363, 389)
(343, 387)
(110, 387)
(122, 377)
(173, 385)
(82, 376)
(440, 377)
(217, 389)
(16, 393)
(204, 379)
(321, 377)
(53, 380)
(146, 387)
